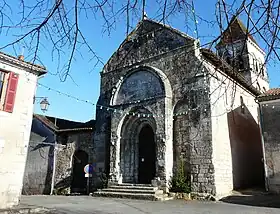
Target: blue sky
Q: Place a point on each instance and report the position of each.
(87, 79)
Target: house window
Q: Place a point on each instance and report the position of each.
(3, 88)
(8, 88)
(2, 80)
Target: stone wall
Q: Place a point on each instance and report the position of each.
(77, 140)
(14, 137)
(237, 149)
(270, 126)
(39, 163)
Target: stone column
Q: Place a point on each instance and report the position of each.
(114, 159)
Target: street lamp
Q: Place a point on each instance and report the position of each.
(44, 104)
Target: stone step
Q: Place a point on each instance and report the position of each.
(136, 185)
(130, 190)
(133, 187)
(126, 195)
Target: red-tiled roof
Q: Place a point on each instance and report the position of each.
(271, 94)
(40, 70)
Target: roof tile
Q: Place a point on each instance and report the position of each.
(271, 94)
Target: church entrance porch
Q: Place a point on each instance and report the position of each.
(138, 151)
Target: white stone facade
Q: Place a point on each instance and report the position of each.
(15, 130)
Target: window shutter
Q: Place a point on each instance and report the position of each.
(11, 92)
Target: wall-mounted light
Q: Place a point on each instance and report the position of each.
(44, 103)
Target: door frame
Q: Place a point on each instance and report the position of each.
(153, 171)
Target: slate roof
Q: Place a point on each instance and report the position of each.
(160, 24)
(63, 125)
(235, 31)
(271, 94)
(221, 64)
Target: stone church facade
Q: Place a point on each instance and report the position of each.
(164, 99)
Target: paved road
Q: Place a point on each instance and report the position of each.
(91, 205)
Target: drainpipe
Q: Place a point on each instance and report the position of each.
(54, 160)
(262, 141)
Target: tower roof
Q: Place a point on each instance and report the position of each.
(235, 31)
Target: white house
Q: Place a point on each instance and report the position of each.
(18, 80)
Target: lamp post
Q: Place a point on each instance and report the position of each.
(44, 103)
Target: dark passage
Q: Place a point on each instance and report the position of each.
(79, 182)
(147, 155)
(246, 150)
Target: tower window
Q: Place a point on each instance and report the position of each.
(258, 85)
(262, 70)
(242, 105)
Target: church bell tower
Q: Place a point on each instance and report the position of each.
(238, 47)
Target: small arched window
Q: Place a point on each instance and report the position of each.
(256, 66)
(242, 105)
(258, 86)
(262, 69)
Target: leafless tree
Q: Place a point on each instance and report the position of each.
(59, 22)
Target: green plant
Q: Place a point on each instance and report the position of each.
(104, 180)
(180, 182)
(61, 191)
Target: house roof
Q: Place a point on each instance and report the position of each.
(63, 125)
(271, 94)
(45, 120)
(38, 69)
(226, 68)
(235, 31)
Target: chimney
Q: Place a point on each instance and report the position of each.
(21, 57)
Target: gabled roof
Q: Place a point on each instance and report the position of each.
(162, 25)
(271, 94)
(45, 120)
(38, 69)
(146, 28)
(227, 69)
(63, 125)
(235, 31)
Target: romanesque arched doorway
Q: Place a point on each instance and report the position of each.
(79, 181)
(147, 155)
(138, 150)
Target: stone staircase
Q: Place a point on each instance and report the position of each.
(133, 191)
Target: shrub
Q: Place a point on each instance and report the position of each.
(104, 180)
(180, 182)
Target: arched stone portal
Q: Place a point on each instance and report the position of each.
(144, 96)
(138, 150)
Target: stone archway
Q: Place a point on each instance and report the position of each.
(141, 86)
(138, 150)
